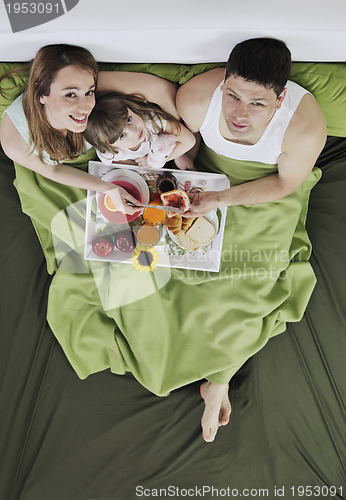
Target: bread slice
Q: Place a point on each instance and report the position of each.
(176, 198)
(201, 232)
(187, 222)
(186, 242)
(174, 224)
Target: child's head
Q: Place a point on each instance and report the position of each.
(115, 113)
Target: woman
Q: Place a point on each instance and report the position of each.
(43, 127)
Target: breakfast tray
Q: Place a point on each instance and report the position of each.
(168, 252)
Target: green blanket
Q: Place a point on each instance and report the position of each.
(172, 327)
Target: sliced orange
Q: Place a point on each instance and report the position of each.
(109, 203)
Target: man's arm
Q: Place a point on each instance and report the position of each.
(192, 103)
(302, 144)
(193, 98)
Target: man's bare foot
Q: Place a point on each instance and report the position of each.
(217, 408)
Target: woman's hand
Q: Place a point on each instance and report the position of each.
(202, 203)
(120, 197)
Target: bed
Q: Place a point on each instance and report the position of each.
(106, 437)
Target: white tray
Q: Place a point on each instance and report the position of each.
(170, 254)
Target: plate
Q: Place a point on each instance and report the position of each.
(211, 217)
(134, 184)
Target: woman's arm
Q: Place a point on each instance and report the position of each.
(151, 87)
(16, 148)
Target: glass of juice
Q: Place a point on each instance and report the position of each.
(154, 216)
(148, 235)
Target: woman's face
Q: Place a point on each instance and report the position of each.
(71, 99)
(133, 134)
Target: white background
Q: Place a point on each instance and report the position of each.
(189, 31)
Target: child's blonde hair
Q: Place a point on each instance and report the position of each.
(108, 119)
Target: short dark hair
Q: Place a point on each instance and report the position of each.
(265, 61)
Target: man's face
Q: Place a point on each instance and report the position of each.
(248, 108)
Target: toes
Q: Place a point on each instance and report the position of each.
(209, 424)
(224, 419)
(217, 409)
(209, 432)
(225, 410)
(209, 436)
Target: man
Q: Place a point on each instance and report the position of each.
(244, 111)
(250, 111)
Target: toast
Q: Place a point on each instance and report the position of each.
(174, 224)
(187, 243)
(201, 232)
(187, 222)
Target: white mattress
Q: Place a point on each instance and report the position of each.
(184, 31)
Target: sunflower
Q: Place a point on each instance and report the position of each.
(144, 258)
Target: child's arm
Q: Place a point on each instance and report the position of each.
(185, 142)
(186, 161)
(168, 146)
(124, 162)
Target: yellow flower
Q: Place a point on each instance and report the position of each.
(145, 259)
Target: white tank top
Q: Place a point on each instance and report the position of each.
(268, 148)
(17, 116)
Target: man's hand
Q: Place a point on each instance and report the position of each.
(202, 203)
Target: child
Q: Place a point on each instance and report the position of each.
(121, 125)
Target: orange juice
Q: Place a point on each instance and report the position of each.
(154, 216)
(148, 235)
